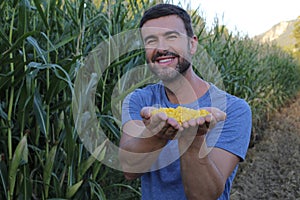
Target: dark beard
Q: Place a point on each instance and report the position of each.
(181, 68)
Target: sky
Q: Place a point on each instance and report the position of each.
(251, 17)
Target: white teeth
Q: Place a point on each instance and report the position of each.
(165, 60)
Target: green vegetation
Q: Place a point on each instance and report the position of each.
(43, 45)
(263, 74)
(296, 34)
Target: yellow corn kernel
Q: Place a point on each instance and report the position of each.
(181, 114)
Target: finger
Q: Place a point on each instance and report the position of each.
(192, 122)
(159, 128)
(172, 122)
(160, 123)
(185, 125)
(210, 121)
(171, 127)
(146, 112)
(159, 117)
(200, 121)
(209, 118)
(220, 115)
(167, 132)
(146, 115)
(170, 132)
(217, 113)
(146, 121)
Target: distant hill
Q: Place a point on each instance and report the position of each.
(281, 34)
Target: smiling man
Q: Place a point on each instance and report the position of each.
(197, 159)
(164, 47)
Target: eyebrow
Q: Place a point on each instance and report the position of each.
(165, 34)
(171, 32)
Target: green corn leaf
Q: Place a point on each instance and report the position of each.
(18, 43)
(55, 68)
(126, 186)
(3, 176)
(40, 10)
(22, 17)
(3, 114)
(67, 78)
(20, 157)
(49, 42)
(73, 189)
(96, 170)
(98, 154)
(39, 112)
(70, 141)
(48, 169)
(97, 190)
(106, 121)
(38, 49)
(38, 66)
(61, 43)
(4, 37)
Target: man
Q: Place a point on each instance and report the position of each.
(197, 159)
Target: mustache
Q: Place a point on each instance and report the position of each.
(165, 53)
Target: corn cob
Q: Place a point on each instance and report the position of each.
(181, 114)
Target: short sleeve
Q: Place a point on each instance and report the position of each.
(131, 108)
(233, 135)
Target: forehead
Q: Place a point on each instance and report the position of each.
(163, 24)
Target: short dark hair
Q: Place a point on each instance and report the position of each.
(162, 10)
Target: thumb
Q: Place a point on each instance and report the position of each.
(146, 112)
(217, 113)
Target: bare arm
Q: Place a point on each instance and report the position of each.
(204, 171)
(204, 175)
(142, 141)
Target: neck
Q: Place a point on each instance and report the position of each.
(186, 89)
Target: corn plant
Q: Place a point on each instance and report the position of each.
(43, 46)
(263, 74)
(44, 43)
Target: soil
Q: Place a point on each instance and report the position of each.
(272, 166)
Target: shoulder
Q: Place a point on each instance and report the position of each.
(238, 106)
(136, 100)
(228, 102)
(238, 111)
(147, 90)
(141, 97)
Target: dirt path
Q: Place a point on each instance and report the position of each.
(272, 167)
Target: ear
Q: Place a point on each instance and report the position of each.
(193, 44)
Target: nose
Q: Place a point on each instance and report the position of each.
(162, 45)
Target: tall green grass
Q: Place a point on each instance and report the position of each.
(43, 45)
(263, 74)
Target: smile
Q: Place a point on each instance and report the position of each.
(166, 60)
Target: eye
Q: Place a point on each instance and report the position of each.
(172, 37)
(150, 41)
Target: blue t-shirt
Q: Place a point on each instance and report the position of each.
(163, 181)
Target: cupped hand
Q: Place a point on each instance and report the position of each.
(201, 125)
(160, 124)
(165, 127)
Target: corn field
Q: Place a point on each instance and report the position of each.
(43, 45)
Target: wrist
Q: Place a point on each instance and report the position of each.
(196, 147)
